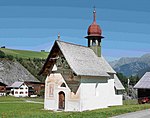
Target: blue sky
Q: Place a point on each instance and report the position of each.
(35, 24)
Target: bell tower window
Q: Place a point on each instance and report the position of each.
(94, 42)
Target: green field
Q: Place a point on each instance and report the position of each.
(24, 53)
(11, 107)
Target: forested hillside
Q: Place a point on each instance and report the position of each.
(33, 66)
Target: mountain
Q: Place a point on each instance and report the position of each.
(132, 65)
(11, 71)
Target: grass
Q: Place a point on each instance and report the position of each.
(130, 102)
(34, 99)
(25, 53)
(9, 99)
(32, 110)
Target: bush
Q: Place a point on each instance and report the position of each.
(2, 54)
(42, 93)
(10, 57)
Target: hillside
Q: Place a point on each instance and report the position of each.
(11, 71)
(33, 66)
(24, 53)
(132, 66)
(31, 60)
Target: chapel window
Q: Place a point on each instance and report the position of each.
(63, 85)
(21, 92)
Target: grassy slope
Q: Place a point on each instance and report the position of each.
(24, 53)
(31, 110)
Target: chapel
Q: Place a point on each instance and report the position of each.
(78, 77)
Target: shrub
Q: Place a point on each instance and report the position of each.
(42, 93)
(2, 54)
(10, 57)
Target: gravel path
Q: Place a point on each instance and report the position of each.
(138, 114)
(34, 102)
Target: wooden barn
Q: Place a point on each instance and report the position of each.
(2, 89)
(35, 87)
(143, 87)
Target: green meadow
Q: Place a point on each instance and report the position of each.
(24, 53)
(11, 107)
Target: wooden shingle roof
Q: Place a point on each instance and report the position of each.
(16, 84)
(144, 82)
(118, 84)
(82, 60)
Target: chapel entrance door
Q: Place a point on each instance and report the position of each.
(61, 100)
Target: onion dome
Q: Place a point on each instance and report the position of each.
(94, 29)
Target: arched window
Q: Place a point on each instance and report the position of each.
(94, 43)
(63, 85)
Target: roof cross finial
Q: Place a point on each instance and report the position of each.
(94, 14)
(58, 36)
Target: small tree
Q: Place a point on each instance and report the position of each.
(42, 93)
(2, 54)
(10, 57)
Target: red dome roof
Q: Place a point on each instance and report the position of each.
(94, 29)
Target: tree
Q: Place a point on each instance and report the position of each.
(133, 80)
(2, 54)
(10, 57)
(123, 79)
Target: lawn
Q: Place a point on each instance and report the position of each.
(25, 53)
(17, 108)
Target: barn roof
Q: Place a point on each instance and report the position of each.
(82, 60)
(144, 82)
(12, 71)
(16, 85)
(118, 84)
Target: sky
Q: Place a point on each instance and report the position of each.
(35, 24)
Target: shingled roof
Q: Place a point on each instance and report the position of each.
(118, 84)
(16, 84)
(12, 71)
(82, 60)
(144, 82)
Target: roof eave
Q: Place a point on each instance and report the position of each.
(140, 88)
(95, 75)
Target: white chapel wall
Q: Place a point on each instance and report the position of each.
(52, 89)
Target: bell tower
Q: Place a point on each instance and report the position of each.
(94, 36)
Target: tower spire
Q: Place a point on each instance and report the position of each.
(94, 14)
(94, 36)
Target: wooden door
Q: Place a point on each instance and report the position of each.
(61, 100)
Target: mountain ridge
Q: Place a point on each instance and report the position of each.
(131, 66)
